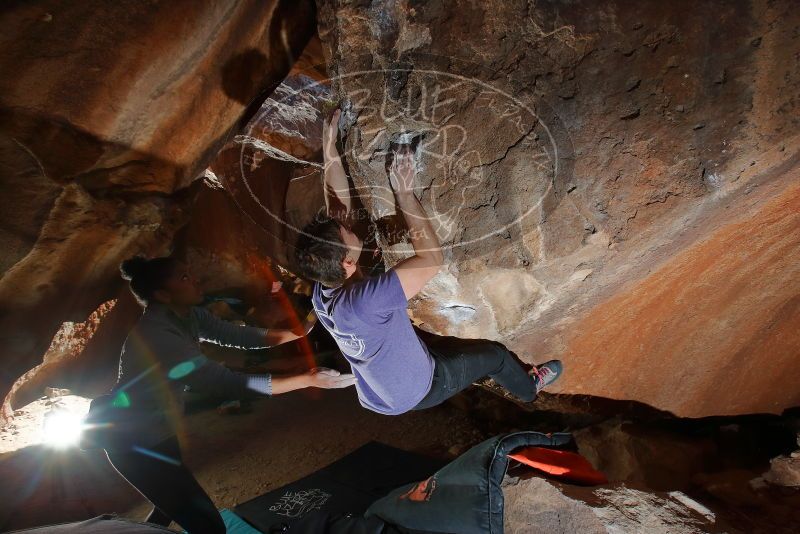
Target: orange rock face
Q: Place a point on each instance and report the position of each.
(715, 329)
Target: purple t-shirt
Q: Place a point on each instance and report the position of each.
(369, 322)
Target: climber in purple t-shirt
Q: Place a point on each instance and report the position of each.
(395, 370)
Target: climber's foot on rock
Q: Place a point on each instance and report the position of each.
(545, 374)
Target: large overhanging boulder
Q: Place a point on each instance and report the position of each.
(617, 184)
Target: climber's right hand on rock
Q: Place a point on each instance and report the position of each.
(402, 172)
(330, 132)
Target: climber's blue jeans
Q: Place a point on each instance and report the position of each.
(459, 363)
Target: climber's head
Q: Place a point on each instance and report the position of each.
(327, 251)
(165, 280)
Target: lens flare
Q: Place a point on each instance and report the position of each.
(181, 370)
(121, 400)
(62, 428)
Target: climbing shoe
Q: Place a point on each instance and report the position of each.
(545, 374)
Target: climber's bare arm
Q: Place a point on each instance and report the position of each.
(338, 194)
(414, 272)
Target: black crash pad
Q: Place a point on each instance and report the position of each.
(349, 485)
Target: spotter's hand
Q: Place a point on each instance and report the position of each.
(321, 377)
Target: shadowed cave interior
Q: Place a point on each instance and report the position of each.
(614, 184)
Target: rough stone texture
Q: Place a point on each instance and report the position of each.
(617, 183)
(69, 343)
(108, 113)
(785, 470)
(638, 455)
(249, 194)
(537, 506)
(83, 356)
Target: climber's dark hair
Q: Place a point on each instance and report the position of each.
(320, 252)
(147, 276)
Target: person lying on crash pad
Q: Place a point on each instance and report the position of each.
(161, 357)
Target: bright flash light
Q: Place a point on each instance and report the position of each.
(62, 428)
